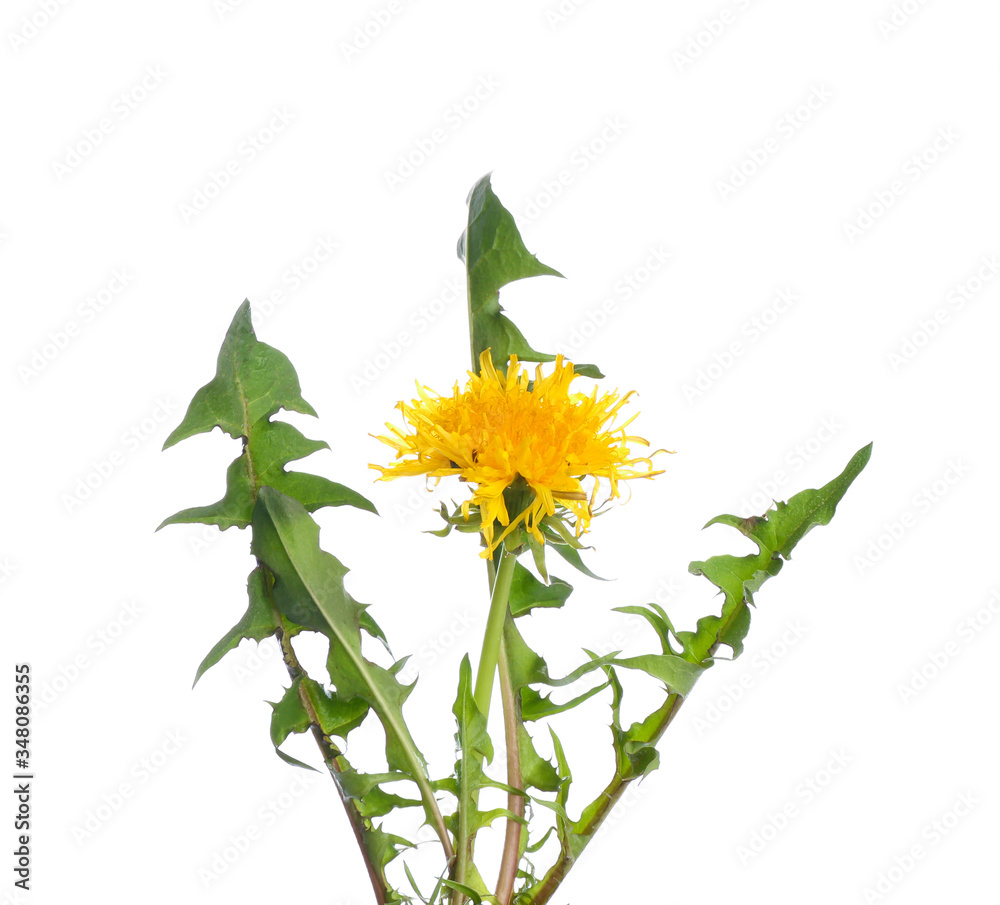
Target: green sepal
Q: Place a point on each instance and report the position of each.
(571, 554)
(495, 255)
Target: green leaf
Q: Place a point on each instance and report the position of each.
(288, 717)
(468, 891)
(654, 614)
(474, 746)
(252, 381)
(536, 771)
(372, 800)
(309, 590)
(535, 706)
(494, 256)
(258, 623)
(528, 593)
(272, 444)
(775, 533)
(678, 674)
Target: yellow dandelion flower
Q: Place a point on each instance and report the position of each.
(503, 431)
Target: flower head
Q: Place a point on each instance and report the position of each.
(504, 433)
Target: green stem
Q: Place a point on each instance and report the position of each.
(515, 803)
(494, 631)
(604, 802)
(332, 757)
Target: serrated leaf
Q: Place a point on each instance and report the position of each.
(535, 706)
(775, 533)
(252, 381)
(258, 623)
(494, 256)
(468, 891)
(528, 593)
(474, 746)
(678, 674)
(536, 771)
(309, 590)
(656, 618)
(372, 800)
(272, 445)
(288, 716)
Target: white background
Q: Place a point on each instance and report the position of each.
(614, 132)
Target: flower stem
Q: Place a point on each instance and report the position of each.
(494, 631)
(515, 803)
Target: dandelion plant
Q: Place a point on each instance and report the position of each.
(538, 460)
